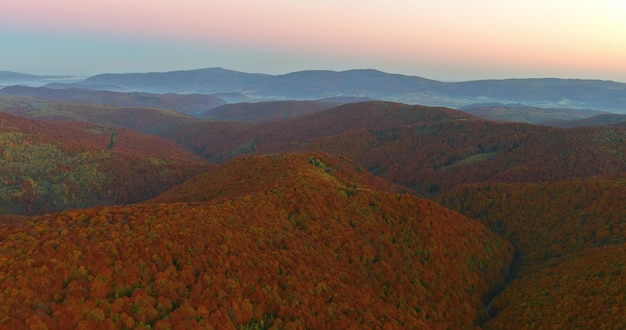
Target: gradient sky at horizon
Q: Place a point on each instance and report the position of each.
(450, 40)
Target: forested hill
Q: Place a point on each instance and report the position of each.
(318, 221)
(428, 149)
(315, 250)
(245, 175)
(145, 120)
(570, 237)
(194, 104)
(53, 166)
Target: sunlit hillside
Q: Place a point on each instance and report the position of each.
(146, 120)
(48, 167)
(305, 246)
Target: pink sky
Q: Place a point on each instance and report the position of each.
(446, 40)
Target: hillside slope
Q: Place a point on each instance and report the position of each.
(266, 111)
(312, 251)
(599, 120)
(428, 149)
(570, 237)
(53, 166)
(290, 135)
(527, 114)
(246, 175)
(192, 104)
(146, 120)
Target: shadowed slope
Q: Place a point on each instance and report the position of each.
(570, 237)
(599, 120)
(526, 114)
(267, 111)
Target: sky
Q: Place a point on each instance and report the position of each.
(448, 40)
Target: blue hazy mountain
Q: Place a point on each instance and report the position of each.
(316, 84)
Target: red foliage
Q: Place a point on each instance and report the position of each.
(429, 149)
(570, 238)
(266, 111)
(314, 250)
(48, 167)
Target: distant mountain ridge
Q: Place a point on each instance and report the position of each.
(206, 81)
(16, 75)
(311, 84)
(316, 84)
(370, 83)
(8, 78)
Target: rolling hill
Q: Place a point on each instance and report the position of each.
(314, 221)
(194, 104)
(146, 120)
(428, 149)
(526, 114)
(316, 249)
(266, 111)
(297, 133)
(48, 167)
(245, 175)
(570, 237)
(598, 120)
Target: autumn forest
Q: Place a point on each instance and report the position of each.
(306, 215)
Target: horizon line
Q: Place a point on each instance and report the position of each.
(86, 76)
